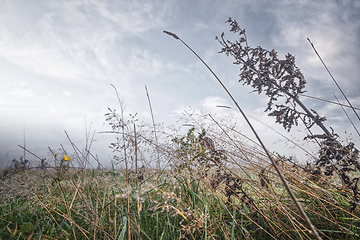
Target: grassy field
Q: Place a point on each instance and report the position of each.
(198, 198)
(214, 183)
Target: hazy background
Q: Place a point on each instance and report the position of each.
(58, 59)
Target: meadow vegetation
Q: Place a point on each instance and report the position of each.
(209, 182)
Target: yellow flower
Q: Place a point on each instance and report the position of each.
(66, 158)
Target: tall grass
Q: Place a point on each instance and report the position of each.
(188, 201)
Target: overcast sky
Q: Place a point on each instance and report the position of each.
(58, 59)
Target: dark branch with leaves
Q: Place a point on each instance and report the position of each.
(265, 72)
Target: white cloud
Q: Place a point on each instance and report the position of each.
(145, 63)
(326, 24)
(26, 93)
(66, 93)
(76, 40)
(133, 17)
(214, 105)
(211, 102)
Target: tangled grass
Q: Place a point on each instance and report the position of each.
(239, 196)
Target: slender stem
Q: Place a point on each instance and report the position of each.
(31, 152)
(152, 117)
(333, 78)
(126, 162)
(308, 112)
(337, 103)
(136, 169)
(348, 116)
(24, 143)
(301, 210)
(115, 211)
(297, 100)
(136, 166)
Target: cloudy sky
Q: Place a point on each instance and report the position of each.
(58, 59)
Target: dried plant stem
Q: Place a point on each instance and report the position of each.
(136, 170)
(115, 233)
(312, 45)
(301, 210)
(82, 160)
(24, 142)
(128, 211)
(126, 162)
(87, 144)
(347, 116)
(136, 166)
(309, 113)
(29, 152)
(152, 117)
(324, 100)
(288, 139)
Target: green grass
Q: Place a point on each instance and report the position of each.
(93, 205)
(199, 198)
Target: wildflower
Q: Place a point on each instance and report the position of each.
(66, 158)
